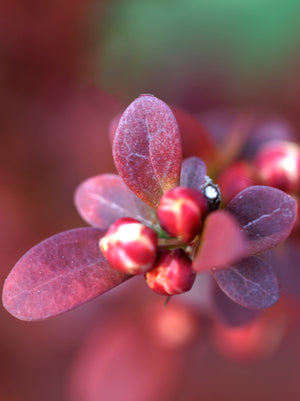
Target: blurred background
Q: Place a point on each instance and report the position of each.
(66, 69)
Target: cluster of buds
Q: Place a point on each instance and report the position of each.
(276, 164)
(178, 231)
(133, 248)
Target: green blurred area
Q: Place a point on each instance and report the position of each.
(244, 46)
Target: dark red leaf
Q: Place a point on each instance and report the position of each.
(103, 199)
(222, 242)
(193, 172)
(251, 283)
(266, 215)
(147, 149)
(229, 312)
(59, 274)
(195, 138)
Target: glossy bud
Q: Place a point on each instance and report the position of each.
(181, 211)
(278, 165)
(172, 274)
(129, 246)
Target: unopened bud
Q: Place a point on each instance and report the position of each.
(172, 274)
(278, 165)
(181, 211)
(129, 246)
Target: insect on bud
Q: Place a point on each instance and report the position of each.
(129, 246)
(172, 274)
(181, 211)
(278, 165)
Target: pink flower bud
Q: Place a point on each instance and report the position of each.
(278, 165)
(172, 274)
(129, 246)
(181, 211)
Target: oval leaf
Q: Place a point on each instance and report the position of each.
(59, 274)
(266, 215)
(229, 312)
(251, 283)
(193, 172)
(222, 242)
(103, 199)
(147, 149)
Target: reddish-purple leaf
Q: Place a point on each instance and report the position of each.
(193, 172)
(59, 274)
(266, 215)
(251, 283)
(147, 149)
(229, 312)
(222, 242)
(103, 199)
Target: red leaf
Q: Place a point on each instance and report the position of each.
(59, 274)
(229, 312)
(266, 215)
(195, 138)
(147, 149)
(222, 242)
(193, 172)
(103, 199)
(251, 283)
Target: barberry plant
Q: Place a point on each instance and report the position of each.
(159, 217)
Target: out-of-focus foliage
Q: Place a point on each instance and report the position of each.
(217, 46)
(53, 134)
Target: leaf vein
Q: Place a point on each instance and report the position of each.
(263, 216)
(251, 282)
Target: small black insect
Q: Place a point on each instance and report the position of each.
(211, 193)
